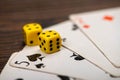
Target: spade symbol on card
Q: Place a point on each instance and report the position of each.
(64, 39)
(75, 27)
(41, 65)
(63, 77)
(77, 57)
(33, 57)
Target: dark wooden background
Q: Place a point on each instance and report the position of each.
(15, 13)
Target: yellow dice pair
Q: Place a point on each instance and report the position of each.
(49, 40)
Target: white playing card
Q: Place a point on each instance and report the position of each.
(84, 69)
(12, 73)
(102, 28)
(63, 62)
(76, 41)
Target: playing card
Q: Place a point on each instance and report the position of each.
(12, 73)
(76, 41)
(64, 62)
(86, 50)
(102, 28)
(85, 68)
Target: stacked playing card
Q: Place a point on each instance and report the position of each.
(90, 51)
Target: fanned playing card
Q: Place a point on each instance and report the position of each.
(102, 29)
(12, 73)
(75, 40)
(66, 61)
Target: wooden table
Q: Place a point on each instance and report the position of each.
(15, 13)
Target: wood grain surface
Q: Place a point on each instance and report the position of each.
(15, 13)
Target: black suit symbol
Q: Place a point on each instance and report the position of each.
(75, 27)
(33, 57)
(63, 77)
(64, 39)
(77, 57)
(41, 65)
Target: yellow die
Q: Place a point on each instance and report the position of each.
(31, 33)
(50, 41)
